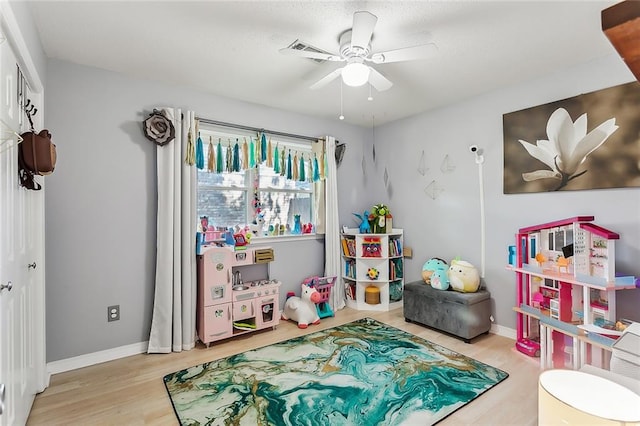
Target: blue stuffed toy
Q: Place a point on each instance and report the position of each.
(364, 228)
(440, 279)
(435, 272)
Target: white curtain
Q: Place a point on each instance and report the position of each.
(174, 307)
(332, 266)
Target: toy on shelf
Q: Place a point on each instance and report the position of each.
(323, 285)
(372, 247)
(381, 219)
(373, 273)
(257, 225)
(297, 225)
(364, 228)
(372, 295)
(303, 309)
(240, 241)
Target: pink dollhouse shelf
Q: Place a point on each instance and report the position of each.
(591, 328)
(622, 284)
(595, 339)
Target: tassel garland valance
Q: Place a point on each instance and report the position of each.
(229, 156)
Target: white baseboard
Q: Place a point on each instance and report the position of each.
(86, 360)
(503, 331)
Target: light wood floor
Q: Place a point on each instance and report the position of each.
(130, 391)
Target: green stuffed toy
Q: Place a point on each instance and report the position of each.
(381, 219)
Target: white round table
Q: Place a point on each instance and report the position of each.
(569, 397)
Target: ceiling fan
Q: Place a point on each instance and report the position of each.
(355, 50)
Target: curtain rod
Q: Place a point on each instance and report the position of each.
(255, 129)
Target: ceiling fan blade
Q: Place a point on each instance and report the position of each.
(363, 24)
(379, 81)
(326, 79)
(405, 54)
(310, 54)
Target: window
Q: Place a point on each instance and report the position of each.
(236, 199)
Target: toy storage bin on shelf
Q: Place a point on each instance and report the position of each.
(465, 315)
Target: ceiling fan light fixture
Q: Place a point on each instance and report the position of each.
(355, 74)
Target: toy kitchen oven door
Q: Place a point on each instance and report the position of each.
(267, 310)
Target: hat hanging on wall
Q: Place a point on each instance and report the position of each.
(158, 128)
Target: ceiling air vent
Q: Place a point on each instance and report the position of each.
(301, 45)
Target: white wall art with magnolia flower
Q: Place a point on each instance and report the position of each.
(591, 141)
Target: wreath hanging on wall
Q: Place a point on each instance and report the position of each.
(158, 128)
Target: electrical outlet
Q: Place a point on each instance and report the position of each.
(113, 313)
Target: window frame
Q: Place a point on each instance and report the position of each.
(251, 175)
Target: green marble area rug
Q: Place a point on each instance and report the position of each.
(361, 373)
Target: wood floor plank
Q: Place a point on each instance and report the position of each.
(130, 391)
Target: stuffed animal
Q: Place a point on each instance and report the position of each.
(463, 276)
(432, 265)
(440, 279)
(364, 228)
(379, 215)
(258, 223)
(303, 309)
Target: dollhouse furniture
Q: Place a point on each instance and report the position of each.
(372, 260)
(227, 305)
(565, 311)
(465, 315)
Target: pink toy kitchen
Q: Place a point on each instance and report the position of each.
(235, 294)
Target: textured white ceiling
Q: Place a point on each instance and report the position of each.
(230, 48)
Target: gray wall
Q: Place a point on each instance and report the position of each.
(449, 226)
(101, 201)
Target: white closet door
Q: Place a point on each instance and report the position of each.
(21, 277)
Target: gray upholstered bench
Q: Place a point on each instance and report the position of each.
(465, 315)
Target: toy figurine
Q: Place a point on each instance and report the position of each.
(364, 228)
(303, 309)
(257, 225)
(228, 237)
(379, 216)
(204, 223)
(297, 224)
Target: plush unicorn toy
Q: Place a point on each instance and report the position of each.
(257, 225)
(303, 309)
